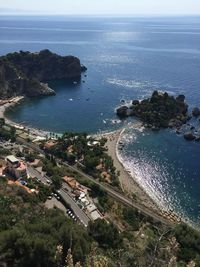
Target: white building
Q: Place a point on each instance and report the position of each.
(16, 167)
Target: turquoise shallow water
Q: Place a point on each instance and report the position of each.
(127, 58)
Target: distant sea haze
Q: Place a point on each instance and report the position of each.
(127, 58)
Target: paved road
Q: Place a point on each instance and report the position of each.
(79, 213)
(123, 199)
(65, 195)
(29, 144)
(116, 195)
(35, 173)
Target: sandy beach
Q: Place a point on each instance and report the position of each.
(9, 103)
(128, 184)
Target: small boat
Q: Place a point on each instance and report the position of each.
(71, 99)
(74, 82)
(104, 122)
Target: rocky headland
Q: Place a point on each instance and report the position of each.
(24, 73)
(162, 111)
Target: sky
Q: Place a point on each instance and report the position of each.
(101, 7)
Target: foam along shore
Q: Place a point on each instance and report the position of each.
(7, 103)
(127, 180)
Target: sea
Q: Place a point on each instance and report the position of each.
(127, 58)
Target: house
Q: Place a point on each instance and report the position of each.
(95, 215)
(49, 144)
(74, 184)
(93, 212)
(16, 167)
(91, 208)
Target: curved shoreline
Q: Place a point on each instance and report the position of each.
(11, 103)
(128, 183)
(145, 198)
(131, 175)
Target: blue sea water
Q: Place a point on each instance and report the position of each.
(127, 58)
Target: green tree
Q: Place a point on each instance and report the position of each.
(56, 181)
(106, 234)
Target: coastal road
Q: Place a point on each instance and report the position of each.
(29, 144)
(123, 199)
(112, 192)
(65, 195)
(35, 173)
(76, 209)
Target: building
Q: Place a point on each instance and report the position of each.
(93, 212)
(91, 208)
(49, 144)
(15, 167)
(74, 184)
(95, 215)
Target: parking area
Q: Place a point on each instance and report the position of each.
(53, 202)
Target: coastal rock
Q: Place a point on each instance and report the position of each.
(197, 139)
(171, 123)
(189, 136)
(122, 111)
(160, 110)
(135, 102)
(83, 69)
(36, 89)
(23, 73)
(196, 112)
(180, 98)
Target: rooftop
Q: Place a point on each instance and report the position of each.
(95, 215)
(12, 159)
(91, 208)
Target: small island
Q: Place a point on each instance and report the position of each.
(159, 111)
(25, 73)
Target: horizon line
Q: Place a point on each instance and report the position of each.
(103, 15)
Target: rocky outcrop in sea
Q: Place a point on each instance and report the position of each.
(164, 111)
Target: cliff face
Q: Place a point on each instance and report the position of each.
(22, 73)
